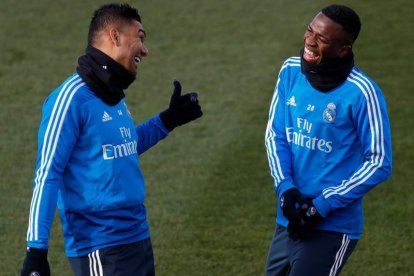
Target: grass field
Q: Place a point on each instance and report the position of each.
(210, 196)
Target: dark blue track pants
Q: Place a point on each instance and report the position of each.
(322, 253)
(134, 259)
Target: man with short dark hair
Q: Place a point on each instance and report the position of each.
(328, 142)
(88, 156)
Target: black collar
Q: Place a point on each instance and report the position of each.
(104, 76)
(329, 74)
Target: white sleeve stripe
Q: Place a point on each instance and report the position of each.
(50, 159)
(48, 149)
(274, 102)
(377, 138)
(290, 64)
(363, 169)
(381, 138)
(36, 188)
(376, 111)
(274, 162)
(373, 165)
(269, 137)
(41, 167)
(43, 174)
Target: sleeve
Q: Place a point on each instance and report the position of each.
(150, 133)
(373, 128)
(57, 135)
(277, 146)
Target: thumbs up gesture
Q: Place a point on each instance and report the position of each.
(182, 108)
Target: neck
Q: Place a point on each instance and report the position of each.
(328, 74)
(106, 78)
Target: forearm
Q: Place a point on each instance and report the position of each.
(150, 133)
(42, 212)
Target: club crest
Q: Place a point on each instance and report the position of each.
(329, 113)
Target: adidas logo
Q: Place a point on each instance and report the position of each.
(106, 117)
(291, 101)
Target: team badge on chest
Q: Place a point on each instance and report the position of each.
(329, 113)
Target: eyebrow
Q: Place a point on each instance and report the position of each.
(318, 34)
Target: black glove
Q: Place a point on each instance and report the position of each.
(310, 215)
(298, 232)
(35, 261)
(288, 201)
(182, 109)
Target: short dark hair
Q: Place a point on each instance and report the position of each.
(110, 14)
(346, 17)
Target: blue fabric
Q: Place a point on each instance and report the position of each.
(334, 146)
(88, 166)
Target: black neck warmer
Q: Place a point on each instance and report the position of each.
(329, 74)
(104, 76)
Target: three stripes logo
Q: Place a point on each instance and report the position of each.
(291, 101)
(106, 117)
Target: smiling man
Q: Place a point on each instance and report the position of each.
(88, 156)
(328, 143)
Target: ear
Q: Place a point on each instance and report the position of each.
(114, 36)
(345, 50)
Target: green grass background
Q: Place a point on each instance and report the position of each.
(210, 199)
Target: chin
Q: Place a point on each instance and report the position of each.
(133, 71)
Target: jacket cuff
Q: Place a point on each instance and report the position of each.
(322, 206)
(162, 125)
(283, 187)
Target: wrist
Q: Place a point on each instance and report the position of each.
(322, 206)
(168, 119)
(36, 253)
(283, 188)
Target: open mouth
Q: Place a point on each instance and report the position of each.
(137, 60)
(310, 56)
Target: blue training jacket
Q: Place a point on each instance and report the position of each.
(88, 166)
(334, 146)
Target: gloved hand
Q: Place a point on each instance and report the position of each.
(288, 201)
(35, 261)
(298, 232)
(182, 109)
(310, 215)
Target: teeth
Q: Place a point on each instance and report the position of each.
(308, 52)
(137, 59)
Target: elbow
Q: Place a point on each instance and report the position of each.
(388, 171)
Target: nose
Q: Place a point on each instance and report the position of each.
(309, 39)
(145, 51)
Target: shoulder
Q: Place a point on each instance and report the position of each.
(290, 71)
(364, 90)
(291, 62)
(72, 91)
(290, 67)
(362, 83)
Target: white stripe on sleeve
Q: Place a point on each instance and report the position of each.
(48, 149)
